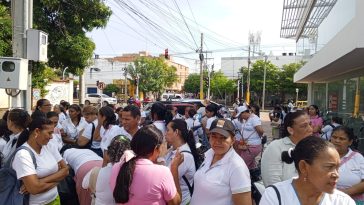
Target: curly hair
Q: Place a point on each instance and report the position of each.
(116, 149)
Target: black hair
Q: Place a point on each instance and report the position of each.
(119, 109)
(61, 108)
(192, 112)
(65, 104)
(36, 123)
(144, 142)
(187, 136)
(214, 108)
(117, 146)
(257, 109)
(19, 118)
(308, 149)
(78, 109)
(4, 131)
(40, 103)
(5, 116)
(108, 112)
(337, 119)
(37, 114)
(289, 120)
(51, 114)
(160, 111)
(316, 108)
(134, 110)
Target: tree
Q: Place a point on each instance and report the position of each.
(66, 23)
(220, 85)
(5, 34)
(111, 88)
(153, 73)
(286, 84)
(42, 76)
(192, 83)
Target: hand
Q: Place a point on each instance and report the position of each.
(23, 190)
(242, 145)
(177, 160)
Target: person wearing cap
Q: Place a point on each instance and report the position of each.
(250, 145)
(223, 178)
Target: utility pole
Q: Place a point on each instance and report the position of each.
(265, 71)
(22, 20)
(201, 69)
(248, 79)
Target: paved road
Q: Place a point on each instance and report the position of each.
(264, 116)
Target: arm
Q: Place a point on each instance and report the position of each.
(355, 189)
(242, 198)
(35, 186)
(59, 175)
(176, 200)
(97, 136)
(82, 141)
(259, 130)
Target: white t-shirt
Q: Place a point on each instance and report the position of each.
(56, 141)
(88, 132)
(238, 127)
(104, 195)
(217, 183)
(327, 131)
(351, 172)
(72, 130)
(77, 157)
(47, 164)
(125, 133)
(2, 144)
(61, 117)
(186, 168)
(289, 196)
(108, 135)
(161, 125)
(209, 122)
(249, 132)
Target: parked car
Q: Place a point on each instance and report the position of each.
(171, 97)
(95, 98)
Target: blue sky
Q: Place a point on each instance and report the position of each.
(225, 24)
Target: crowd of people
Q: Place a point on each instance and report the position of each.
(114, 156)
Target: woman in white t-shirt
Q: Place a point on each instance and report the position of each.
(17, 122)
(106, 129)
(223, 178)
(180, 138)
(40, 182)
(351, 168)
(73, 126)
(211, 114)
(160, 116)
(102, 193)
(56, 140)
(250, 146)
(317, 163)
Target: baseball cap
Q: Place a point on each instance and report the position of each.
(222, 126)
(241, 109)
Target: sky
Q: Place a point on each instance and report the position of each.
(178, 24)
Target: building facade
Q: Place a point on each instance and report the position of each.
(332, 43)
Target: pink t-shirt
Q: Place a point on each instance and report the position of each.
(152, 184)
(316, 121)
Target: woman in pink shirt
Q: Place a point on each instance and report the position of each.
(139, 181)
(316, 120)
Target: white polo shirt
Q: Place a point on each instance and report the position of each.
(77, 157)
(215, 185)
(289, 196)
(209, 122)
(249, 132)
(186, 168)
(108, 135)
(47, 164)
(351, 172)
(88, 132)
(73, 130)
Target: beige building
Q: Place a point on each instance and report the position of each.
(182, 74)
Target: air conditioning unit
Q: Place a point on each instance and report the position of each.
(13, 73)
(37, 45)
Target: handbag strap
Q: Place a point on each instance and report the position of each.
(277, 192)
(346, 159)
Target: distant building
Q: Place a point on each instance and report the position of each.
(231, 66)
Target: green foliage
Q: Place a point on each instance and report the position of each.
(5, 34)
(154, 74)
(286, 79)
(42, 76)
(220, 85)
(66, 23)
(192, 83)
(112, 88)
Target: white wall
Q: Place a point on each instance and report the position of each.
(58, 91)
(4, 99)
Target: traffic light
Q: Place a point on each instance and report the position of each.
(166, 53)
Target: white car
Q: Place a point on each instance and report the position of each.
(95, 98)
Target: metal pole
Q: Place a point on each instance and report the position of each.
(242, 84)
(238, 95)
(265, 71)
(248, 80)
(208, 89)
(201, 70)
(125, 86)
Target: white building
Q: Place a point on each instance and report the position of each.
(230, 66)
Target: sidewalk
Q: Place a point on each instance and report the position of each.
(264, 116)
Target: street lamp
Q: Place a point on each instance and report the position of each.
(95, 69)
(297, 95)
(64, 71)
(265, 72)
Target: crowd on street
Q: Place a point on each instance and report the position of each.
(67, 154)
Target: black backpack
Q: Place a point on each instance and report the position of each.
(10, 185)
